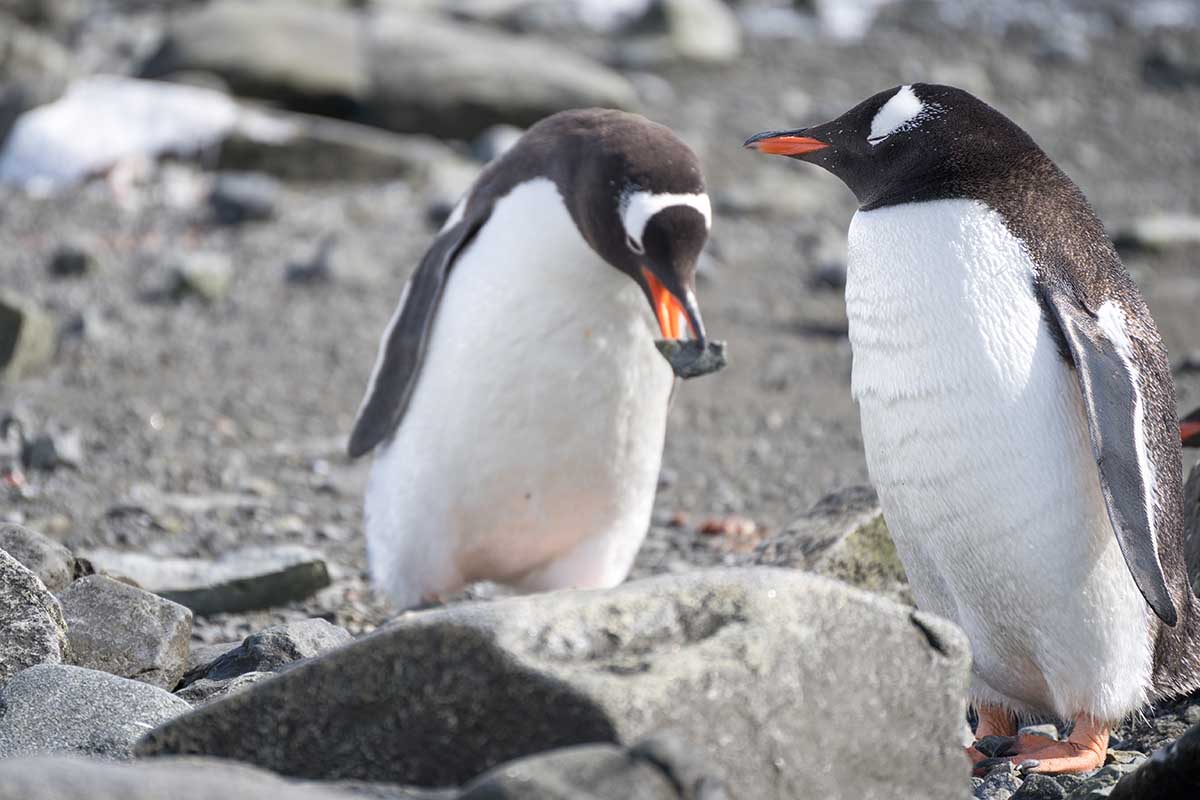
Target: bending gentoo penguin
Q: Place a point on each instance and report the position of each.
(1017, 412)
(518, 404)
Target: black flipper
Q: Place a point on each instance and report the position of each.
(1110, 395)
(403, 349)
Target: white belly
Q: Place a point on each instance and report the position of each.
(976, 439)
(531, 447)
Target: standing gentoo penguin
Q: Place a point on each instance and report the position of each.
(1018, 415)
(518, 403)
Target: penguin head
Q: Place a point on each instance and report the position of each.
(641, 204)
(912, 142)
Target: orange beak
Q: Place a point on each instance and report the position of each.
(1189, 433)
(784, 144)
(667, 308)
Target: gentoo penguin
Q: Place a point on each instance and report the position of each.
(1018, 416)
(518, 404)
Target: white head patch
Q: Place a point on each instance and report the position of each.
(901, 109)
(638, 207)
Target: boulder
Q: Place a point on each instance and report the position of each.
(50, 561)
(74, 778)
(263, 653)
(126, 631)
(240, 580)
(450, 80)
(28, 336)
(303, 147)
(32, 628)
(1158, 233)
(703, 30)
(205, 690)
(56, 708)
(304, 58)
(34, 69)
(659, 768)
(239, 197)
(843, 536)
(1173, 771)
(783, 683)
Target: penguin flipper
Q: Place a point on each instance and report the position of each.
(402, 348)
(1115, 412)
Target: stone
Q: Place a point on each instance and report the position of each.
(32, 628)
(28, 336)
(240, 197)
(843, 536)
(455, 81)
(34, 69)
(57, 708)
(1171, 61)
(126, 631)
(1039, 787)
(999, 784)
(703, 30)
(302, 147)
(70, 260)
(50, 561)
(598, 772)
(305, 58)
(207, 275)
(688, 360)
(779, 680)
(1173, 771)
(272, 649)
(1158, 232)
(316, 269)
(495, 142)
(64, 777)
(239, 580)
(204, 690)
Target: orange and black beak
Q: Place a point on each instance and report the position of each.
(671, 311)
(785, 143)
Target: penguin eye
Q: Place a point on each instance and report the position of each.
(634, 245)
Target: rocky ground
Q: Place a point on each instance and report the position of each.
(195, 332)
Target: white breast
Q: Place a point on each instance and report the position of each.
(530, 450)
(977, 441)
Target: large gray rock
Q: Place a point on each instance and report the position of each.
(240, 580)
(75, 778)
(310, 59)
(32, 629)
(434, 76)
(843, 536)
(273, 648)
(785, 684)
(28, 336)
(47, 559)
(34, 69)
(56, 708)
(126, 631)
(659, 768)
(304, 147)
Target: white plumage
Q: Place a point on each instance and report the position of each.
(530, 451)
(977, 440)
